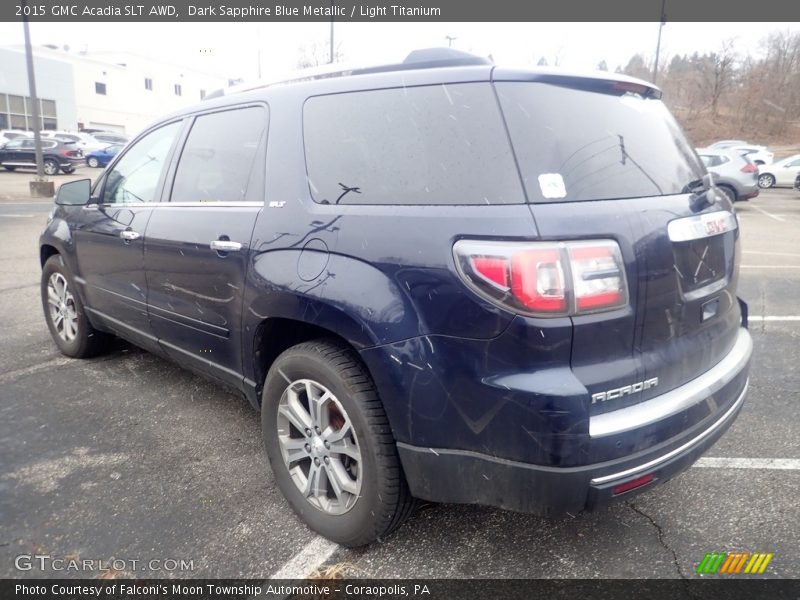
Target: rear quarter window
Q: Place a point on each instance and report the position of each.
(573, 144)
(440, 144)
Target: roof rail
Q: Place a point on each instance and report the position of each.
(427, 58)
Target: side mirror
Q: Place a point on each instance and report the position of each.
(74, 193)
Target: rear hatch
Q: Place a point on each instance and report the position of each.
(604, 159)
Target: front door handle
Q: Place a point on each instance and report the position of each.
(129, 235)
(225, 246)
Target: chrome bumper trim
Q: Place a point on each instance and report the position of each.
(679, 399)
(688, 445)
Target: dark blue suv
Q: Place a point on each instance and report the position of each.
(437, 280)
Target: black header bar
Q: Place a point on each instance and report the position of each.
(400, 10)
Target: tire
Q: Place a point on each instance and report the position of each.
(68, 170)
(10, 168)
(73, 334)
(50, 166)
(765, 180)
(92, 162)
(729, 192)
(377, 500)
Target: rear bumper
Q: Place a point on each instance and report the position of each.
(461, 476)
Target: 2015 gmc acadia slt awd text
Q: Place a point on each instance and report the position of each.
(440, 279)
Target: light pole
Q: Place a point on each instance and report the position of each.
(40, 187)
(658, 44)
(331, 52)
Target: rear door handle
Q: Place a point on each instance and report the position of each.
(129, 235)
(225, 246)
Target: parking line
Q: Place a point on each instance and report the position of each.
(771, 253)
(18, 216)
(311, 557)
(770, 215)
(783, 464)
(771, 318)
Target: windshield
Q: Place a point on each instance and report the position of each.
(573, 144)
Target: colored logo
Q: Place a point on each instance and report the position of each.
(733, 563)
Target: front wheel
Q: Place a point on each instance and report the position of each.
(330, 446)
(63, 311)
(92, 162)
(68, 170)
(10, 168)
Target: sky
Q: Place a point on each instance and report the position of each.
(232, 49)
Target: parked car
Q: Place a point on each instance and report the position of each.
(736, 175)
(797, 182)
(759, 155)
(84, 141)
(20, 153)
(475, 284)
(100, 158)
(780, 173)
(6, 135)
(111, 138)
(728, 143)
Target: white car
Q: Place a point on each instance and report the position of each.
(84, 141)
(6, 135)
(760, 155)
(780, 173)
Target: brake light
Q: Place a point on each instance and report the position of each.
(545, 278)
(750, 168)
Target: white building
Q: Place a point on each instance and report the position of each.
(115, 91)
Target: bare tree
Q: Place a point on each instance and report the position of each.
(316, 54)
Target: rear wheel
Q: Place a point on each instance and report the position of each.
(329, 444)
(729, 192)
(50, 166)
(92, 162)
(10, 168)
(765, 180)
(68, 170)
(63, 310)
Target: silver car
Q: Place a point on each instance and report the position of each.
(734, 174)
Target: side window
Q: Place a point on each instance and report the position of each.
(135, 177)
(707, 160)
(794, 163)
(30, 144)
(15, 143)
(218, 156)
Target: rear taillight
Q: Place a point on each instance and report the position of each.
(750, 168)
(545, 278)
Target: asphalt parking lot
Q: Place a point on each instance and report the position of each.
(129, 456)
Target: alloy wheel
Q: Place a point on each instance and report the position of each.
(319, 446)
(63, 313)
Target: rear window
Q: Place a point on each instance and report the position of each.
(441, 144)
(573, 144)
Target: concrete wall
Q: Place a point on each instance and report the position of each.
(54, 81)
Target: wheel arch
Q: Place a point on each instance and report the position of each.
(45, 252)
(274, 335)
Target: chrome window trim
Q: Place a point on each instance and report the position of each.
(691, 228)
(175, 204)
(679, 399)
(694, 441)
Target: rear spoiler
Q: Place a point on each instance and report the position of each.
(593, 82)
